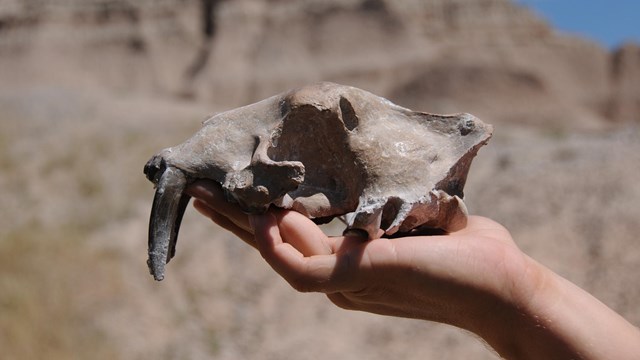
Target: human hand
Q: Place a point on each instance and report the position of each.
(452, 278)
(476, 279)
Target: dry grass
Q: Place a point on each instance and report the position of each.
(41, 316)
(63, 179)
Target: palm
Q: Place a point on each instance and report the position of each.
(391, 276)
(382, 276)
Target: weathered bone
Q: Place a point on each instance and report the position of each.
(324, 150)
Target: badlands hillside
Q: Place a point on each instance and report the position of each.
(90, 89)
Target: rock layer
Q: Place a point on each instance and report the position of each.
(442, 56)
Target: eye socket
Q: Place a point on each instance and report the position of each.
(349, 116)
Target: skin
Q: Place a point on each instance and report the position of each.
(476, 279)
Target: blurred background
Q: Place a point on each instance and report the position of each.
(90, 89)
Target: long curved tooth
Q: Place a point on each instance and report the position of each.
(169, 204)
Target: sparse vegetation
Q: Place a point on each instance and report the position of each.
(41, 316)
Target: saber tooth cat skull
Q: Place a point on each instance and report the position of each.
(324, 150)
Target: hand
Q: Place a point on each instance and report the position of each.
(476, 278)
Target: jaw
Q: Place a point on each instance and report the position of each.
(169, 204)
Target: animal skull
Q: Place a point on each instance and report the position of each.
(324, 150)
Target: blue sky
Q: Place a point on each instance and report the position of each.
(609, 22)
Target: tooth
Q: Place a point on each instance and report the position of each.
(401, 216)
(169, 204)
(365, 221)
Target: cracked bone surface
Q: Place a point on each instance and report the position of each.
(324, 150)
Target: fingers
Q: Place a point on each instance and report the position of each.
(321, 272)
(211, 202)
(291, 243)
(224, 222)
(210, 193)
(302, 233)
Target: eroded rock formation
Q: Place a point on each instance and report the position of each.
(489, 57)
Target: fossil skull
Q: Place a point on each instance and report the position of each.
(326, 151)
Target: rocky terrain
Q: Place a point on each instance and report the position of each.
(89, 89)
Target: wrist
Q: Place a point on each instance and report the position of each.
(512, 322)
(552, 318)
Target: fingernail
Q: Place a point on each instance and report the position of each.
(356, 233)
